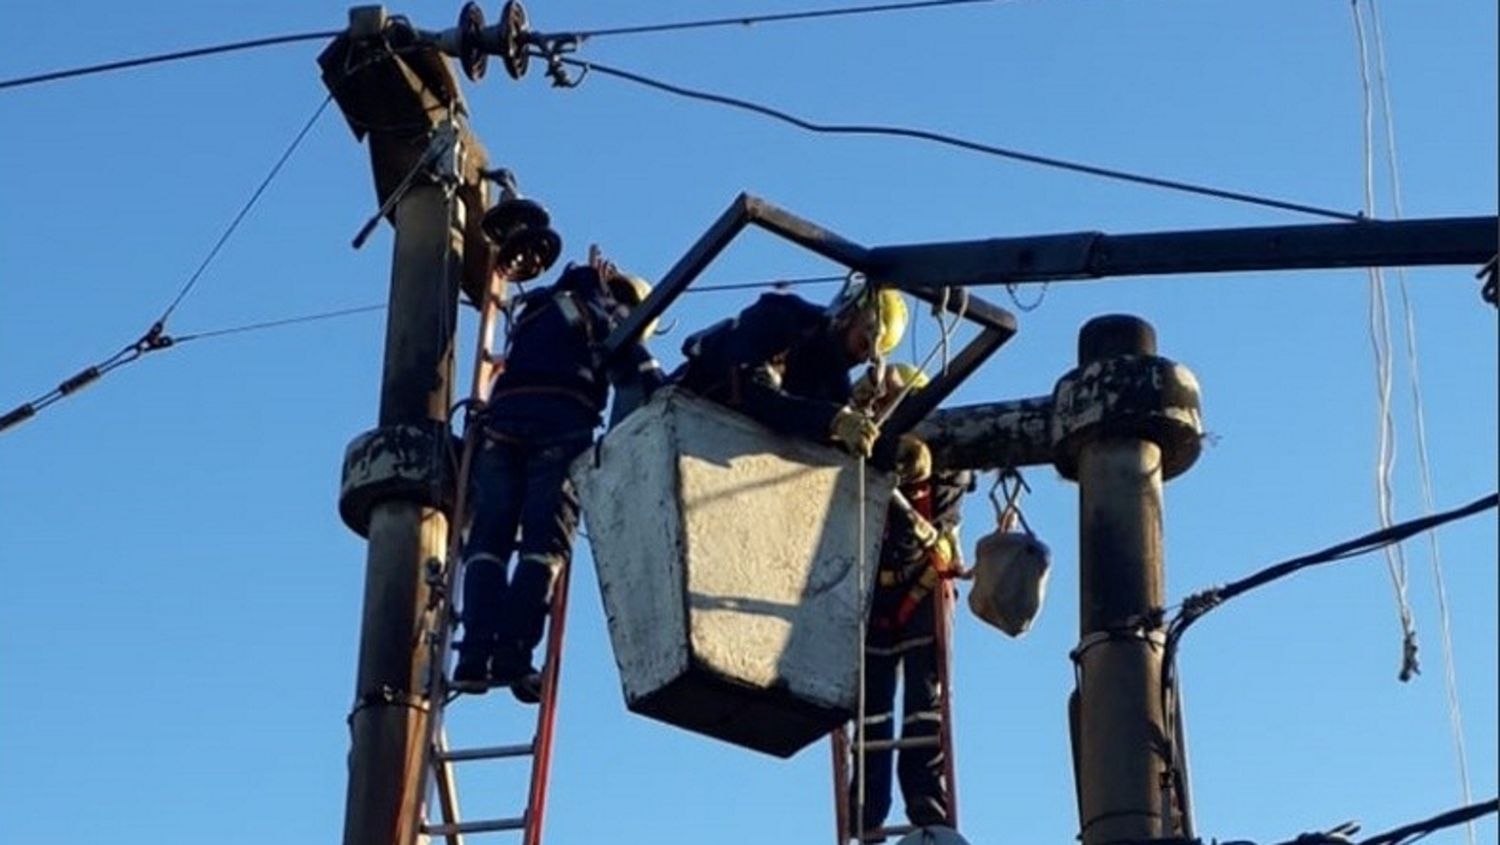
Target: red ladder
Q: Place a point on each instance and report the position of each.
(438, 758)
(844, 749)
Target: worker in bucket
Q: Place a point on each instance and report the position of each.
(919, 549)
(785, 362)
(541, 415)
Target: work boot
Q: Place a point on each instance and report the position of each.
(527, 688)
(472, 673)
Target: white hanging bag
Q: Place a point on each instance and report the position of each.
(1010, 567)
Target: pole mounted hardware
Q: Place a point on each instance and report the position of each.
(471, 42)
(521, 230)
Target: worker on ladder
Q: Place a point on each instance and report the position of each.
(919, 549)
(785, 362)
(541, 415)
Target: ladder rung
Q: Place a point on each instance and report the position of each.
(460, 828)
(914, 742)
(880, 833)
(493, 752)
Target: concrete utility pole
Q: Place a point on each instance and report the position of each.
(396, 480)
(1119, 424)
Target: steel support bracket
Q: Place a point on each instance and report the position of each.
(1141, 396)
(405, 462)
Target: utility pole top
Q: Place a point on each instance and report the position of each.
(398, 92)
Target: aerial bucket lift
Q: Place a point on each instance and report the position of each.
(729, 556)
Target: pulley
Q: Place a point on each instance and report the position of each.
(522, 233)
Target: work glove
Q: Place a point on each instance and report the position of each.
(913, 460)
(854, 431)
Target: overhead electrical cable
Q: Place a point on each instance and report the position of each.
(1407, 834)
(287, 321)
(156, 337)
(951, 141)
(160, 58)
(1419, 415)
(1199, 604)
(781, 17)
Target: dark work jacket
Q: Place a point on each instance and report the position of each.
(903, 560)
(776, 362)
(553, 374)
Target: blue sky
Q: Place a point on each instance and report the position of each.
(180, 611)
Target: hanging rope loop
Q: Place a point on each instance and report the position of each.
(1010, 484)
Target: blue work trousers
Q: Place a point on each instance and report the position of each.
(524, 504)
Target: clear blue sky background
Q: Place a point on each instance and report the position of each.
(180, 607)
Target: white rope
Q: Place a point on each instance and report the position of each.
(1419, 414)
(1380, 339)
(859, 724)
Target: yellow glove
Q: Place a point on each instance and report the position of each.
(913, 460)
(854, 431)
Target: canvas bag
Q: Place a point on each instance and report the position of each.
(1010, 568)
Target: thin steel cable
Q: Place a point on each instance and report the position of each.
(953, 141)
(748, 20)
(1419, 414)
(1380, 339)
(285, 321)
(245, 209)
(180, 55)
(777, 283)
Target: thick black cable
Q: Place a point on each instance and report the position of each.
(1412, 832)
(245, 209)
(748, 20)
(952, 141)
(160, 58)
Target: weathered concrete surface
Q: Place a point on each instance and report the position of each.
(408, 463)
(727, 559)
(1133, 396)
(994, 435)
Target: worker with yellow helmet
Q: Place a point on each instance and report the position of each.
(785, 361)
(919, 549)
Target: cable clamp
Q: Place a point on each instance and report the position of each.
(1138, 632)
(155, 338)
(387, 696)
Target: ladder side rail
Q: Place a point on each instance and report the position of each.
(440, 640)
(447, 789)
(541, 763)
(942, 606)
(839, 741)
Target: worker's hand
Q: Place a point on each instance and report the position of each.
(913, 460)
(854, 431)
(603, 266)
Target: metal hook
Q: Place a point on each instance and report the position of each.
(1011, 484)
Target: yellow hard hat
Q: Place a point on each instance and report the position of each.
(631, 291)
(890, 309)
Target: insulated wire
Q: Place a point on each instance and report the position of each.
(1419, 413)
(287, 321)
(160, 58)
(952, 141)
(155, 337)
(1380, 339)
(747, 20)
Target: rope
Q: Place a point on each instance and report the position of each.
(950, 141)
(859, 726)
(1380, 340)
(1419, 414)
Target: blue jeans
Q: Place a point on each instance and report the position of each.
(523, 503)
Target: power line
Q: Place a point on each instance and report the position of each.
(156, 337)
(161, 58)
(778, 283)
(245, 209)
(950, 141)
(288, 321)
(748, 20)
(1412, 832)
